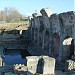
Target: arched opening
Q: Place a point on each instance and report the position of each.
(55, 47)
(69, 46)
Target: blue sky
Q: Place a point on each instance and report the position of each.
(30, 6)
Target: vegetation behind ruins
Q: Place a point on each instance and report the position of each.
(8, 15)
(12, 19)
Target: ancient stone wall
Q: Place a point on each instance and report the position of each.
(49, 31)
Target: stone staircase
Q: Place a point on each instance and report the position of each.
(34, 50)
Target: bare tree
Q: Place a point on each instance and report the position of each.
(2, 15)
(10, 15)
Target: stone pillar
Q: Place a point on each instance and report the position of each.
(60, 48)
(34, 34)
(31, 33)
(46, 13)
(36, 23)
(38, 38)
(43, 39)
(50, 44)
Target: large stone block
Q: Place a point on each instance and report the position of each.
(32, 62)
(46, 11)
(49, 65)
(41, 65)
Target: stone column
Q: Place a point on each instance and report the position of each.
(34, 35)
(31, 33)
(60, 48)
(50, 45)
(46, 13)
(43, 40)
(38, 38)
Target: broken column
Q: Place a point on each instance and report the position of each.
(36, 26)
(46, 13)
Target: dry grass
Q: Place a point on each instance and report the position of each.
(13, 26)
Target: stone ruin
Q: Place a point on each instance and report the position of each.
(41, 65)
(54, 34)
(36, 65)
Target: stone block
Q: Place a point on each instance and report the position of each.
(69, 65)
(46, 11)
(32, 62)
(41, 65)
(49, 65)
(1, 61)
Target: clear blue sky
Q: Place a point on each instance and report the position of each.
(29, 6)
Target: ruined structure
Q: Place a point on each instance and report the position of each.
(52, 44)
(36, 65)
(54, 34)
(44, 65)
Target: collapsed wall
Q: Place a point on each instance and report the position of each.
(49, 31)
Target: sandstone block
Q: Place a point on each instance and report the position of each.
(49, 65)
(32, 62)
(41, 65)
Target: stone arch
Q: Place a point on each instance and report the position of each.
(56, 44)
(68, 46)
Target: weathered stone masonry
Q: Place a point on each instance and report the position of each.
(48, 31)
